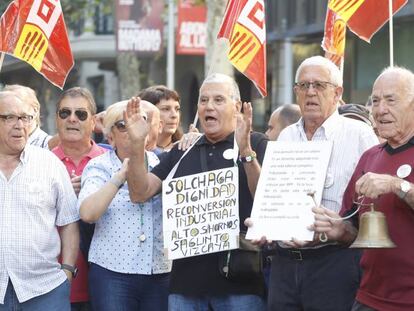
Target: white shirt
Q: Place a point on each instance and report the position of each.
(350, 139)
(116, 244)
(39, 138)
(36, 199)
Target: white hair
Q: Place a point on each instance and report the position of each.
(6, 93)
(222, 78)
(334, 72)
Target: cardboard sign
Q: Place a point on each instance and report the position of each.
(201, 213)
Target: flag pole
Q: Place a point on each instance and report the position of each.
(391, 34)
(2, 54)
(171, 47)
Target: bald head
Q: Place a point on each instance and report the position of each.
(153, 115)
(393, 105)
(281, 118)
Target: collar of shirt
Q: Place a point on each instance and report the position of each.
(391, 150)
(328, 127)
(204, 141)
(93, 152)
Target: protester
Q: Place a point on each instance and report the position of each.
(37, 136)
(37, 198)
(282, 117)
(75, 122)
(168, 102)
(384, 177)
(129, 270)
(318, 275)
(196, 282)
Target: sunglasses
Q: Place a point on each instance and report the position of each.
(64, 113)
(120, 125)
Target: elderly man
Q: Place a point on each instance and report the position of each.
(384, 177)
(75, 122)
(196, 282)
(37, 136)
(37, 198)
(321, 275)
(281, 118)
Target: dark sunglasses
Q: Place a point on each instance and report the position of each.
(64, 113)
(120, 125)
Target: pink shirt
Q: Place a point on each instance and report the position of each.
(79, 288)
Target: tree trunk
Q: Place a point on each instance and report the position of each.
(128, 74)
(216, 57)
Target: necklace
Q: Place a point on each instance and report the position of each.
(142, 236)
(165, 146)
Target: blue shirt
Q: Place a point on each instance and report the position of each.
(116, 244)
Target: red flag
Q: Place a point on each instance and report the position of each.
(244, 26)
(34, 31)
(365, 17)
(333, 41)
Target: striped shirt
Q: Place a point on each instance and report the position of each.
(39, 138)
(36, 199)
(350, 139)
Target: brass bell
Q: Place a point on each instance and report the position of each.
(373, 231)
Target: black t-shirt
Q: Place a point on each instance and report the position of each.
(199, 275)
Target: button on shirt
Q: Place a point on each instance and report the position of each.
(350, 139)
(36, 199)
(116, 244)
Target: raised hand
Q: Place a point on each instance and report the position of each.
(243, 128)
(136, 121)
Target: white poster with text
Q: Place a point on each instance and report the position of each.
(291, 171)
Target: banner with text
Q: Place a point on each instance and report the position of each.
(201, 213)
(192, 28)
(139, 26)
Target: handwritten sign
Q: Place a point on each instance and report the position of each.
(201, 213)
(282, 207)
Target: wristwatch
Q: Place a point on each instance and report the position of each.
(71, 269)
(405, 186)
(249, 158)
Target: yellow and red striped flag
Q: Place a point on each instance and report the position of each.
(364, 17)
(35, 32)
(333, 41)
(244, 26)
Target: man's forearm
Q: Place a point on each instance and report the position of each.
(69, 236)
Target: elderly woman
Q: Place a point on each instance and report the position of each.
(128, 269)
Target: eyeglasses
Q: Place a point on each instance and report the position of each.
(12, 118)
(121, 126)
(317, 85)
(64, 113)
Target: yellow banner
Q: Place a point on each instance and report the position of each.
(243, 47)
(32, 46)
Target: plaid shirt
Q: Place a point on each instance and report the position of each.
(36, 199)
